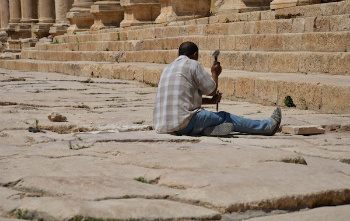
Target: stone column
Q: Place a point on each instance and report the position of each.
(46, 18)
(107, 14)
(46, 11)
(176, 10)
(139, 12)
(14, 44)
(5, 17)
(61, 25)
(29, 9)
(236, 6)
(5, 14)
(15, 11)
(80, 17)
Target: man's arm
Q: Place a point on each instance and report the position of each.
(216, 97)
(215, 72)
(214, 100)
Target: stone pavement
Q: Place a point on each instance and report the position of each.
(106, 162)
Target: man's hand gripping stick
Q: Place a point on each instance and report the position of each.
(216, 55)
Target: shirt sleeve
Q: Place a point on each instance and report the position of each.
(204, 81)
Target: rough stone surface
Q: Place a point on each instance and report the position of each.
(339, 213)
(108, 163)
(57, 117)
(303, 130)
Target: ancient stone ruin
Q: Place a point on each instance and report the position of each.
(270, 50)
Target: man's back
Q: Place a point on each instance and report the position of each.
(179, 94)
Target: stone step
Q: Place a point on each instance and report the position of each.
(333, 23)
(330, 63)
(327, 9)
(315, 41)
(327, 94)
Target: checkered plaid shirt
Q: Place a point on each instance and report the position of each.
(179, 94)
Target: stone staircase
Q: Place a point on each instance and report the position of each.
(302, 52)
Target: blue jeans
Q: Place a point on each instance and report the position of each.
(204, 118)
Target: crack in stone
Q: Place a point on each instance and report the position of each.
(148, 141)
(11, 184)
(55, 157)
(8, 103)
(313, 155)
(326, 198)
(159, 197)
(34, 192)
(87, 81)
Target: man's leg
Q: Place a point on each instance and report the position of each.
(204, 119)
(200, 121)
(267, 126)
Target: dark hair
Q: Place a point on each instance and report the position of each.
(188, 48)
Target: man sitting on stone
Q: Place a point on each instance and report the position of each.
(179, 99)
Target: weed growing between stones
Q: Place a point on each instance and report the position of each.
(36, 128)
(141, 179)
(79, 147)
(22, 214)
(345, 161)
(37, 124)
(296, 160)
(153, 85)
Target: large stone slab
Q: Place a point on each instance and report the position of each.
(255, 188)
(94, 187)
(124, 209)
(339, 213)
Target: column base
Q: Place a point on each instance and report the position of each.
(107, 15)
(42, 30)
(80, 21)
(179, 10)
(58, 29)
(140, 14)
(3, 37)
(24, 30)
(277, 4)
(238, 6)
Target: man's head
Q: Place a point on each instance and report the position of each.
(189, 49)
